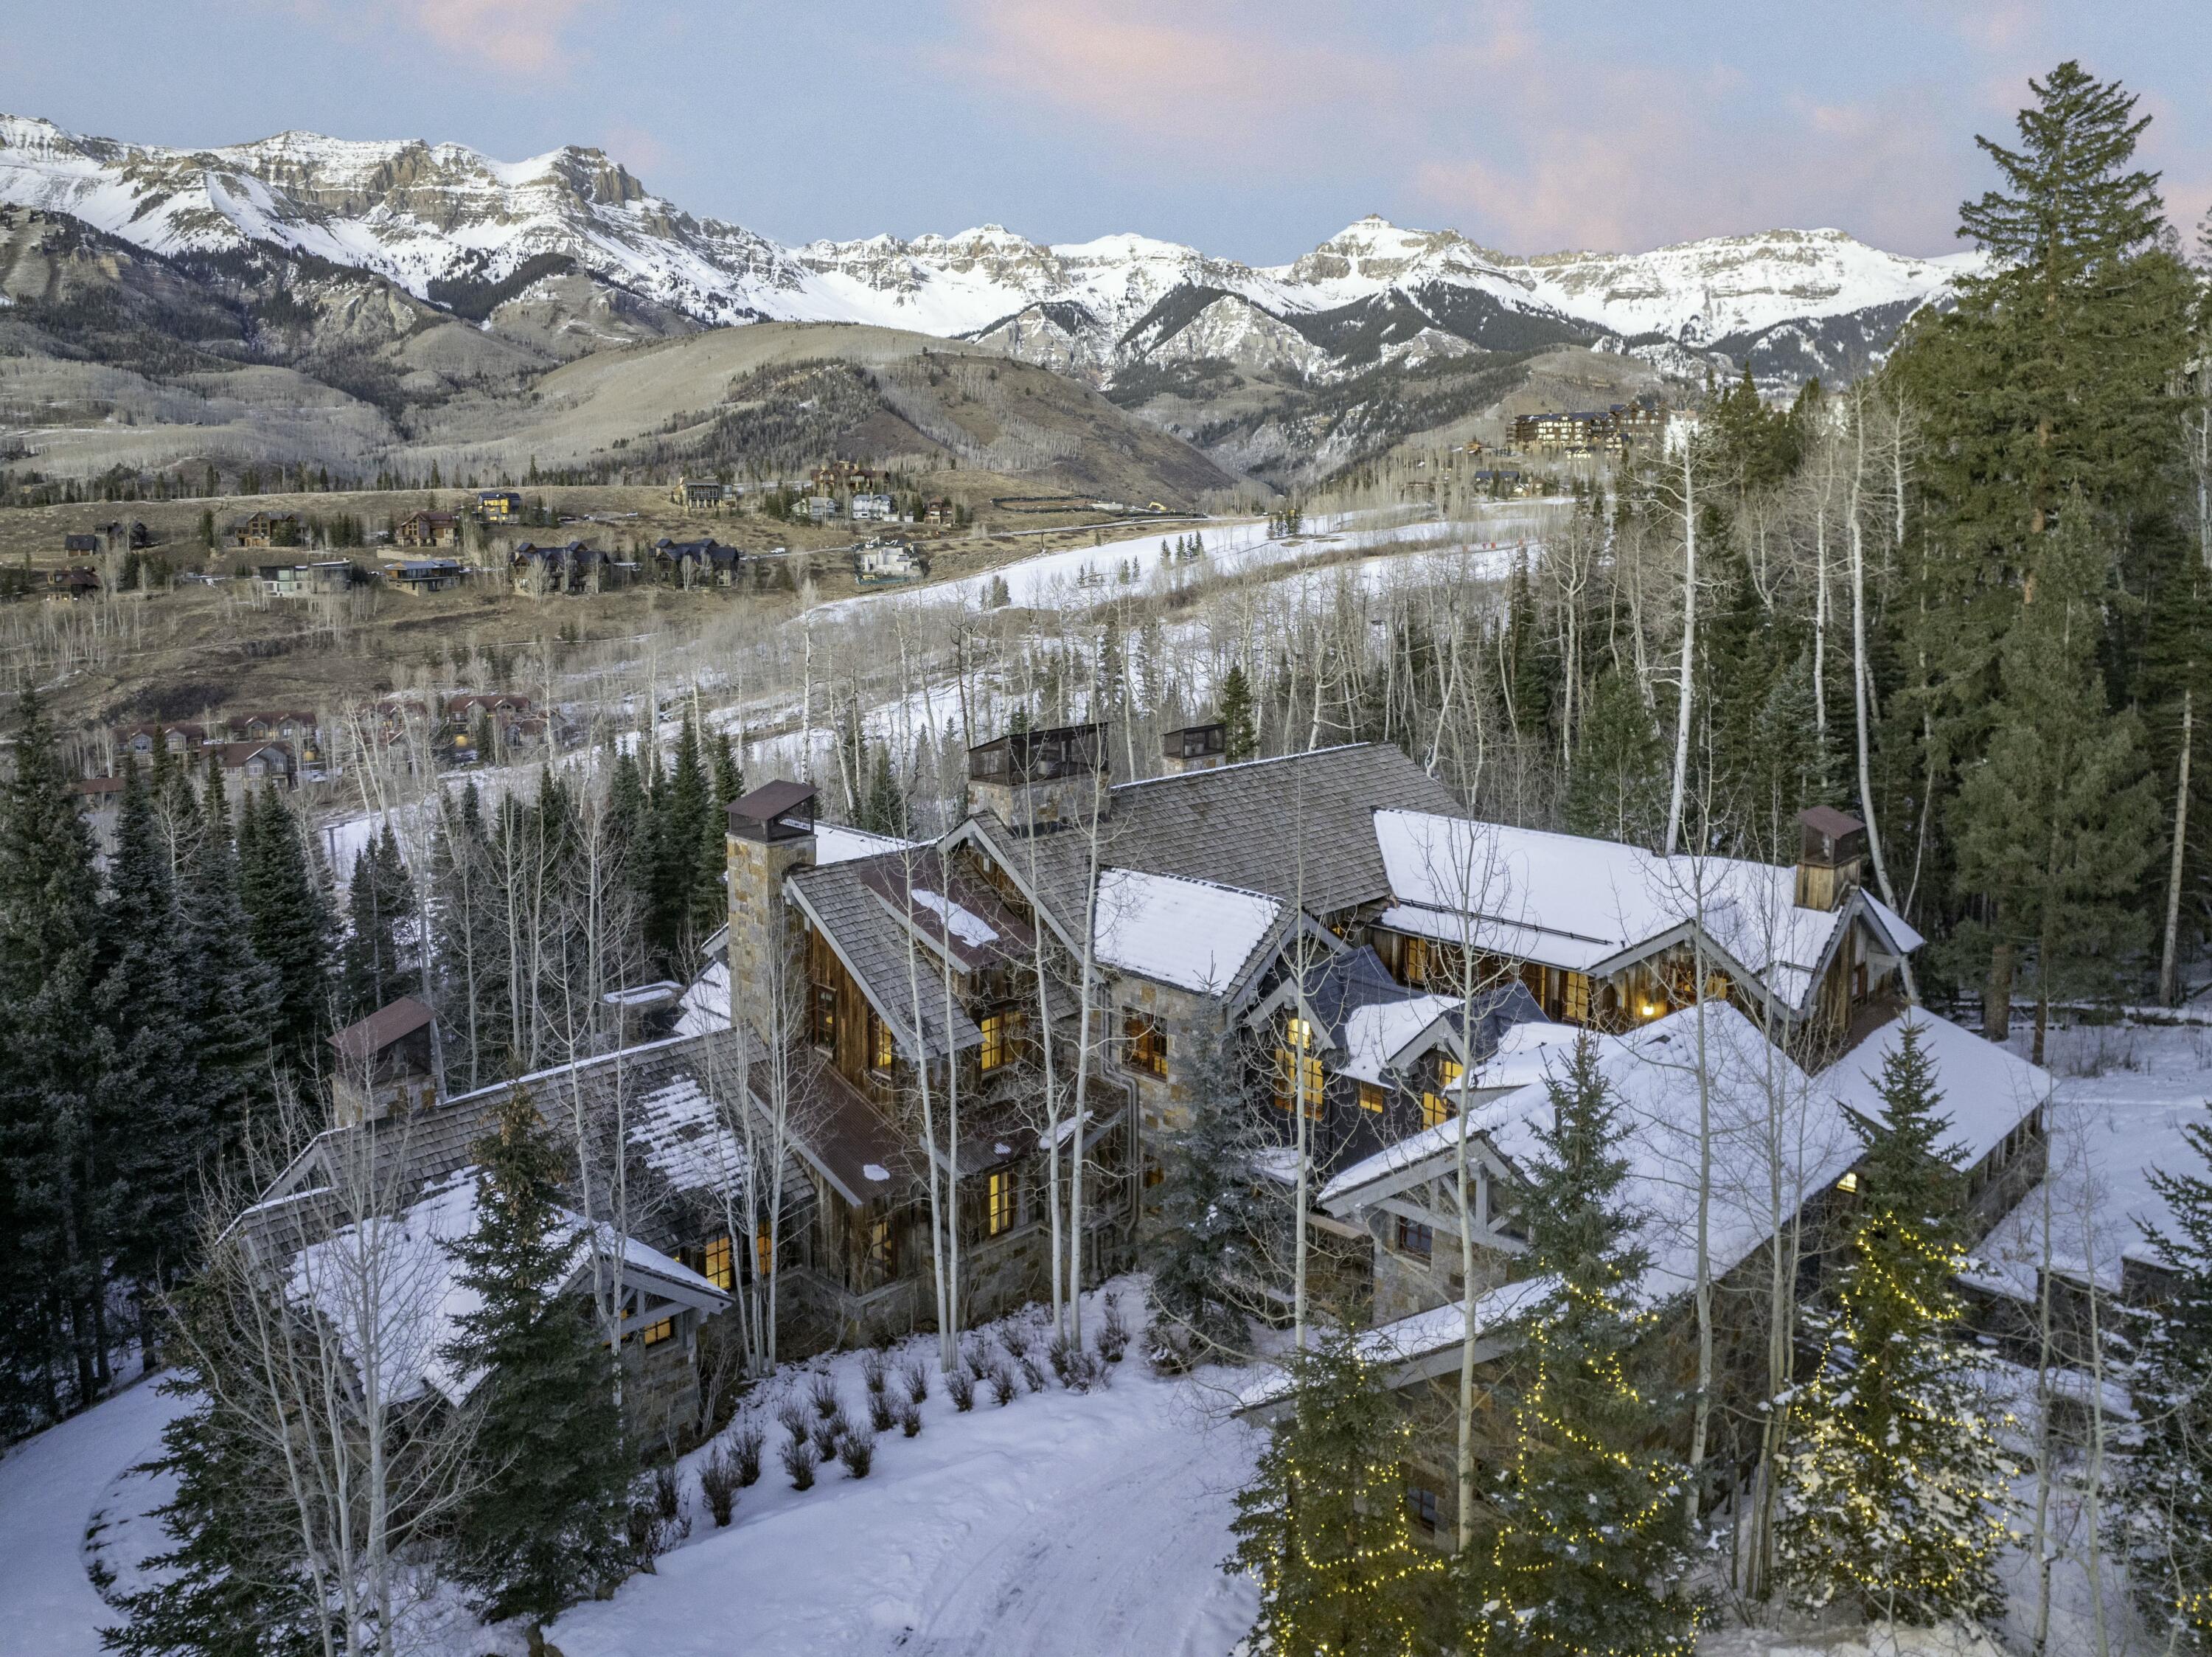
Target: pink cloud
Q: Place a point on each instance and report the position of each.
(503, 35)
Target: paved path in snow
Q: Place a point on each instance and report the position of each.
(1063, 1525)
(49, 1486)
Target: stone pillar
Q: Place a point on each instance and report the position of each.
(761, 925)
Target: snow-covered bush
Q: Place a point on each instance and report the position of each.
(1003, 1385)
(909, 1419)
(917, 1379)
(719, 1483)
(1032, 1371)
(960, 1385)
(875, 1370)
(793, 1419)
(1113, 1332)
(799, 1462)
(828, 1430)
(1062, 1354)
(746, 1453)
(857, 1450)
(879, 1411)
(823, 1394)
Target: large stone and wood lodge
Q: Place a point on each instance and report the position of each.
(1380, 962)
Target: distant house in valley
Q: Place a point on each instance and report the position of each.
(420, 575)
(941, 511)
(250, 764)
(80, 546)
(300, 581)
(77, 582)
(871, 509)
(177, 736)
(499, 506)
(428, 529)
(564, 567)
(694, 563)
(823, 507)
(882, 562)
(695, 494)
(262, 530)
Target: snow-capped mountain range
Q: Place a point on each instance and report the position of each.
(438, 219)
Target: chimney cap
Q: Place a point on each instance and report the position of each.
(1831, 837)
(781, 810)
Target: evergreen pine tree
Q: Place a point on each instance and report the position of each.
(2055, 828)
(1617, 785)
(1323, 1526)
(885, 810)
(1892, 1486)
(228, 992)
(542, 1528)
(52, 1280)
(1240, 736)
(378, 965)
(290, 927)
(1590, 1539)
(2161, 1512)
(151, 1102)
(1219, 1220)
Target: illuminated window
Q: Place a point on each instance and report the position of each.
(1147, 1043)
(1416, 960)
(1370, 1097)
(1435, 1110)
(825, 1016)
(655, 1333)
(1298, 1077)
(1575, 998)
(998, 1204)
(1449, 1071)
(997, 1049)
(884, 1049)
(721, 1264)
(1414, 1238)
(764, 1254)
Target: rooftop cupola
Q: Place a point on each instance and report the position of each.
(1831, 854)
(1037, 781)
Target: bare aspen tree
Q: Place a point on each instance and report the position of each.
(1689, 645)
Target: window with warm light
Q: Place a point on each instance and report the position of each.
(998, 1204)
(1298, 1076)
(1575, 998)
(1435, 1110)
(825, 1033)
(884, 1052)
(764, 1254)
(1370, 1097)
(997, 1045)
(654, 1334)
(1146, 1043)
(721, 1264)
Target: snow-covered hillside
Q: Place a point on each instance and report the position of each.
(420, 214)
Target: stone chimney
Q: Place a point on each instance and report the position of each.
(1831, 852)
(1039, 781)
(385, 1064)
(771, 832)
(1195, 748)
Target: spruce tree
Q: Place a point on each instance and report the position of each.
(290, 927)
(1590, 1541)
(378, 961)
(2161, 1512)
(52, 1280)
(1323, 1526)
(2055, 826)
(1240, 735)
(1220, 1220)
(1617, 784)
(229, 994)
(542, 1528)
(1892, 1486)
(151, 1102)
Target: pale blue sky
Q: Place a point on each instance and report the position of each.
(1250, 128)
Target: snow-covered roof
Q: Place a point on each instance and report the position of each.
(683, 1133)
(1375, 1036)
(835, 844)
(1407, 1339)
(1585, 905)
(1195, 934)
(1765, 1114)
(706, 1003)
(420, 1297)
(963, 924)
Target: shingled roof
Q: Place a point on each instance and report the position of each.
(1300, 827)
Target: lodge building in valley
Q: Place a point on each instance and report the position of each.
(882, 1020)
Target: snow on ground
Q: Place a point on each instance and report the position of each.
(52, 1489)
(1077, 1525)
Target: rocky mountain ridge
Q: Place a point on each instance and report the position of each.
(461, 231)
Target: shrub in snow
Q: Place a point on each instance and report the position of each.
(1032, 1371)
(857, 1450)
(1085, 1371)
(1017, 1337)
(917, 1379)
(1170, 1349)
(823, 1394)
(827, 1431)
(1113, 1332)
(909, 1419)
(656, 1518)
(880, 1411)
(794, 1420)
(875, 1369)
(799, 1462)
(1062, 1355)
(746, 1453)
(960, 1384)
(1003, 1384)
(718, 1483)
